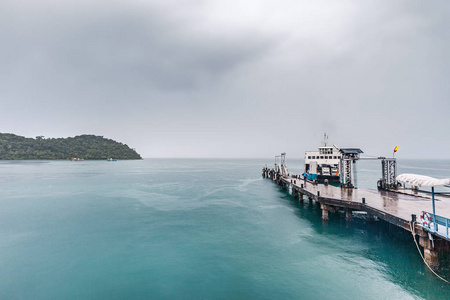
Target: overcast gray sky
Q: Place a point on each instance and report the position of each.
(230, 78)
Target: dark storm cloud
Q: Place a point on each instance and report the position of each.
(116, 47)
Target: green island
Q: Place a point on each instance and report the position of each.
(14, 147)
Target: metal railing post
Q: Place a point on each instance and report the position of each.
(447, 227)
(434, 209)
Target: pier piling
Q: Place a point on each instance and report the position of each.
(370, 217)
(324, 212)
(430, 253)
(348, 214)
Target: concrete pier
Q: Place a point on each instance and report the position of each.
(390, 206)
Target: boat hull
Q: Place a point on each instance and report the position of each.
(321, 178)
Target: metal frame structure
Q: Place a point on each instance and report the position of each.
(348, 158)
(277, 165)
(389, 172)
(346, 172)
(284, 171)
(347, 169)
(281, 167)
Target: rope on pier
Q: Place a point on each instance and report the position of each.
(413, 231)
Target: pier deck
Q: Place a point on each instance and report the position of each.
(394, 207)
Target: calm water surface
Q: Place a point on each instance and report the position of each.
(194, 229)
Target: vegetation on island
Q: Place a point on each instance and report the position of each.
(14, 147)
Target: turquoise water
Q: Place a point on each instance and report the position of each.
(194, 229)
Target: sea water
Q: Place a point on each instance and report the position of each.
(195, 229)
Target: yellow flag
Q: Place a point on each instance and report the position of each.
(396, 148)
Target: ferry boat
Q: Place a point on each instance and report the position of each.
(322, 164)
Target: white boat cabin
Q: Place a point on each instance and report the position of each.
(324, 162)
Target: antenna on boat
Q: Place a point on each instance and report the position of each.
(325, 138)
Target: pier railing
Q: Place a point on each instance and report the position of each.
(442, 224)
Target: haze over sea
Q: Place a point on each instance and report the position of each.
(195, 229)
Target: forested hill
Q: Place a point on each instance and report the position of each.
(83, 146)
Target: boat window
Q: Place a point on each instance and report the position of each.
(321, 157)
(309, 157)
